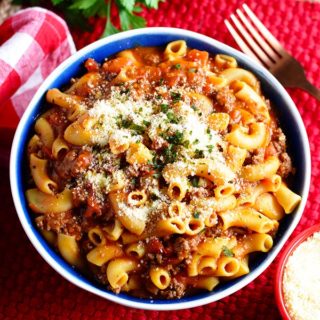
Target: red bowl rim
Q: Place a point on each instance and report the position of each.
(293, 244)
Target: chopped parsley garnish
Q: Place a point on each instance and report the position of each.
(195, 181)
(196, 214)
(194, 107)
(176, 138)
(177, 66)
(186, 144)
(210, 147)
(126, 123)
(170, 154)
(137, 128)
(164, 107)
(196, 141)
(153, 196)
(157, 165)
(175, 96)
(172, 117)
(227, 252)
(146, 123)
(208, 130)
(198, 153)
(134, 182)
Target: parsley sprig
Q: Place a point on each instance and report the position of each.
(76, 12)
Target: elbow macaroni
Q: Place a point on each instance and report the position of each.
(161, 168)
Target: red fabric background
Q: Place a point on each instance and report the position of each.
(31, 289)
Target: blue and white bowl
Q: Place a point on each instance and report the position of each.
(286, 111)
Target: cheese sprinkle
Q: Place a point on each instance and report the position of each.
(301, 280)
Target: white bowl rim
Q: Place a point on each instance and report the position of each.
(104, 294)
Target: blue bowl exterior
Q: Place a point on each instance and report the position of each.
(297, 149)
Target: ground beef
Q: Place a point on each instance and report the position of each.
(159, 143)
(175, 290)
(226, 99)
(196, 193)
(258, 156)
(73, 164)
(278, 140)
(286, 165)
(138, 170)
(184, 246)
(63, 222)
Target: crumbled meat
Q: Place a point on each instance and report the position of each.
(152, 58)
(138, 170)
(175, 290)
(63, 222)
(258, 156)
(279, 140)
(226, 99)
(73, 163)
(184, 246)
(285, 166)
(196, 193)
(159, 143)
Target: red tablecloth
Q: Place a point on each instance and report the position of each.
(31, 289)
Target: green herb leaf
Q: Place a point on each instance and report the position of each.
(126, 123)
(128, 20)
(134, 182)
(227, 252)
(151, 3)
(76, 12)
(82, 4)
(56, 2)
(176, 138)
(196, 214)
(170, 154)
(137, 128)
(172, 117)
(175, 96)
(198, 154)
(164, 108)
(196, 141)
(210, 147)
(195, 181)
(127, 4)
(109, 28)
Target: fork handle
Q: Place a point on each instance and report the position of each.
(307, 86)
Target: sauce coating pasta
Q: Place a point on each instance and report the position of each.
(160, 171)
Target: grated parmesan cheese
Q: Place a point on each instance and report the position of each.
(134, 213)
(301, 280)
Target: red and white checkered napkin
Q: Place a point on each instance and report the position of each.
(32, 43)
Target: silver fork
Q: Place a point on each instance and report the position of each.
(263, 47)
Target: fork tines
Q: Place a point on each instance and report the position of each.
(254, 38)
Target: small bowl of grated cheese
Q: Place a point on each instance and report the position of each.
(298, 278)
